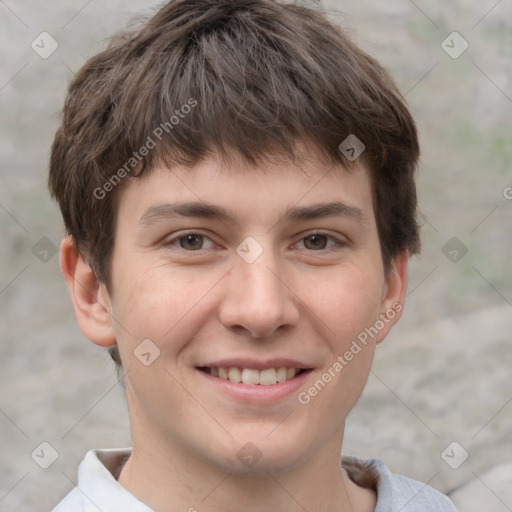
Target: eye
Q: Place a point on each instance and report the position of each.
(191, 241)
(318, 241)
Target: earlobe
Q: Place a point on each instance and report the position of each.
(394, 295)
(90, 302)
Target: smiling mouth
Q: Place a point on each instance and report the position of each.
(253, 377)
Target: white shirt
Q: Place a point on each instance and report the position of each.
(98, 490)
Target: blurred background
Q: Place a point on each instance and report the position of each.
(437, 406)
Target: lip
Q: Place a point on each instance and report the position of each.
(257, 393)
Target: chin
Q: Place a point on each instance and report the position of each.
(260, 453)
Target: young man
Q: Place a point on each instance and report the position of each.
(236, 179)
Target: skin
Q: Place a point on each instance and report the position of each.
(200, 301)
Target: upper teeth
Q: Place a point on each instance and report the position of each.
(251, 376)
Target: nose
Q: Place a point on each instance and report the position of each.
(259, 297)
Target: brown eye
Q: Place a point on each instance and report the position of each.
(191, 241)
(317, 241)
(322, 243)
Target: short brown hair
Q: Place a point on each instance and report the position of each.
(244, 77)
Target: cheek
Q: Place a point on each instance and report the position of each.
(161, 304)
(346, 307)
(346, 301)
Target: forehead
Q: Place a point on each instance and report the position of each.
(240, 193)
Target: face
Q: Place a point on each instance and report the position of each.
(278, 289)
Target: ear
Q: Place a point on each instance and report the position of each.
(393, 297)
(90, 297)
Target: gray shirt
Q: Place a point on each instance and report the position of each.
(98, 489)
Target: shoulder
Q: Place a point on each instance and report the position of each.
(396, 492)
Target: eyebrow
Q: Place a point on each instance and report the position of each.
(165, 211)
